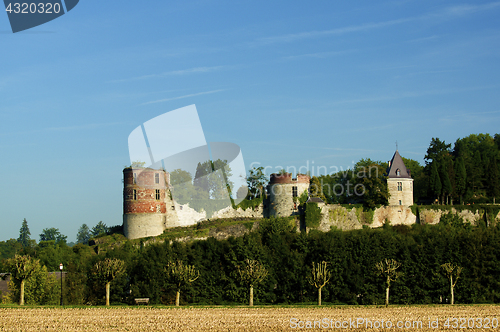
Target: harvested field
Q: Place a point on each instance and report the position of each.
(472, 318)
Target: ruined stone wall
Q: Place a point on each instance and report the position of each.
(431, 216)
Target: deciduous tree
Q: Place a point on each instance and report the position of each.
(107, 270)
(21, 268)
(452, 270)
(251, 273)
(181, 274)
(320, 275)
(387, 268)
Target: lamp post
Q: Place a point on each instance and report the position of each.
(61, 268)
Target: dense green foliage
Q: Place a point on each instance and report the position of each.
(287, 255)
(465, 174)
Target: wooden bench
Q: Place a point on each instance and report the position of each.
(142, 301)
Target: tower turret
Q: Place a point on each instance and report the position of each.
(144, 202)
(284, 192)
(399, 182)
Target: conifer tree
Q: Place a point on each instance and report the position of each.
(435, 181)
(24, 235)
(460, 178)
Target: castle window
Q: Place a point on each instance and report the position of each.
(134, 195)
(294, 191)
(400, 186)
(400, 203)
(157, 194)
(135, 178)
(157, 178)
(398, 173)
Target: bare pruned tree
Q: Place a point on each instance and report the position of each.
(251, 274)
(320, 275)
(181, 274)
(452, 270)
(387, 268)
(21, 268)
(107, 270)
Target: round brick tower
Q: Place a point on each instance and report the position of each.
(284, 192)
(144, 203)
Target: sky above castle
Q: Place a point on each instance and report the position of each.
(306, 84)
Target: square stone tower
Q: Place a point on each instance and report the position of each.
(399, 182)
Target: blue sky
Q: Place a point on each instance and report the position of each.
(293, 83)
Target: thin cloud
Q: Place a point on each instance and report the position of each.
(182, 97)
(339, 31)
(447, 13)
(413, 94)
(83, 127)
(318, 55)
(170, 73)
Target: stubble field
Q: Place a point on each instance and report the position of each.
(416, 318)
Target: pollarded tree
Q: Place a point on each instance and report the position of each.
(21, 268)
(107, 270)
(452, 270)
(387, 268)
(251, 274)
(180, 275)
(320, 275)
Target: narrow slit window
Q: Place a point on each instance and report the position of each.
(157, 178)
(135, 178)
(400, 203)
(134, 195)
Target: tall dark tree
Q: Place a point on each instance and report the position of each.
(435, 181)
(460, 178)
(83, 235)
(436, 150)
(24, 235)
(447, 188)
(52, 234)
(256, 181)
(493, 188)
(99, 229)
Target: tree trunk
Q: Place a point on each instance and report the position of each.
(452, 295)
(177, 297)
(21, 296)
(387, 297)
(319, 296)
(107, 292)
(251, 296)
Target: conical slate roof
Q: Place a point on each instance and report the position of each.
(397, 168)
